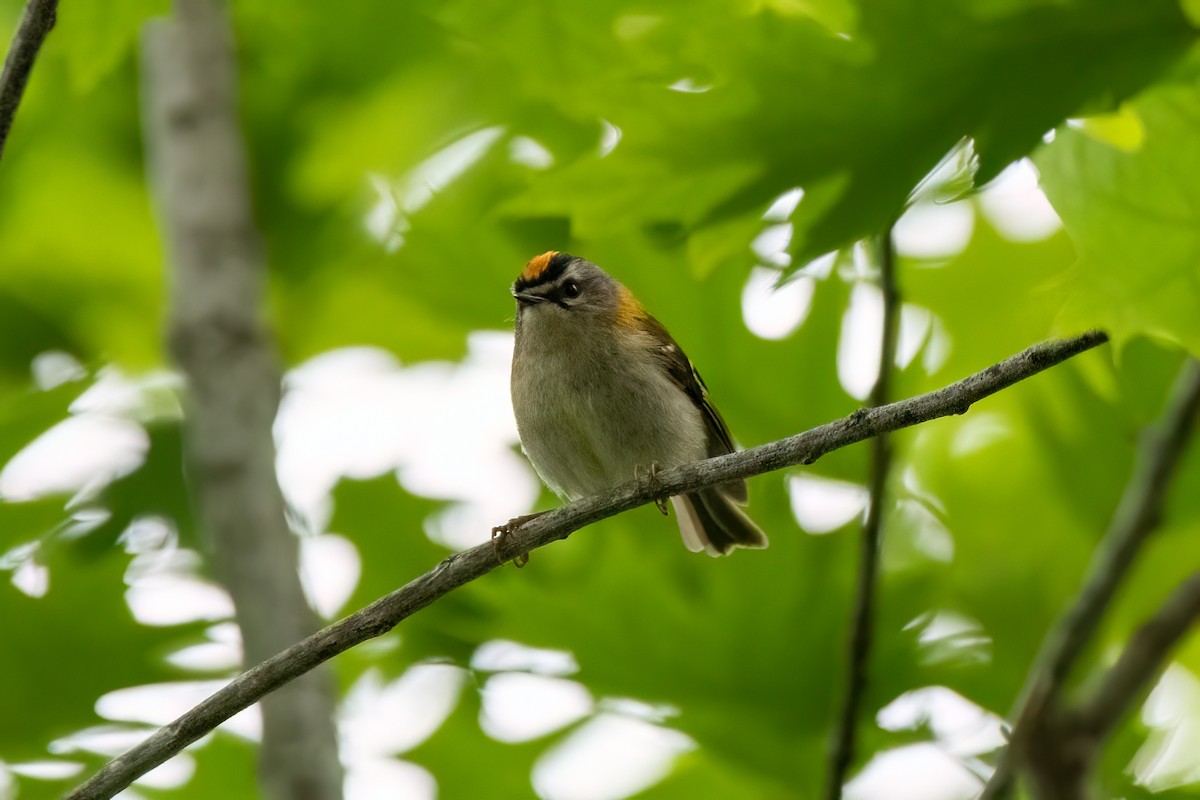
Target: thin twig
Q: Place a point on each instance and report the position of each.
(862, 625)
(35, 26)
(1136, 517)
(460, 568)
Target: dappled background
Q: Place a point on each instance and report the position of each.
(724, 160)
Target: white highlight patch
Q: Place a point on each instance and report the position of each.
(913, 331)
(518, 706)
(170, 774)
(628, 707)
(934, 231)
(782, 207)
(223, 650)
(101, 440)
(388, 779)
(607, 758)
(151, 396)
(820, 267)
(530, 152)
(357, 413)
(772, 243)
(53, 368)
(81, 451)
(1016, 206)
(31, 578)
(1172, 712)
(689, 86)
(207, 657)
(174, 598)
(329, 570)
(947, 636)
(822, 505)
(913, 772)
(45, 770)
(775, 312)
(106, 740)
(380, 719)
(961, 727)
(610, 137)
(858, 344)
(502, 655)
(159, 703)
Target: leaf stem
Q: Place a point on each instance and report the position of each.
(862, 621)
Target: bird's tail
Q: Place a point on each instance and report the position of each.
(712, 522)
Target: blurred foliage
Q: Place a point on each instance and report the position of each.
(1134, 212)
(409, 157)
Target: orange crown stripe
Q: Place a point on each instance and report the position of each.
(537, 265)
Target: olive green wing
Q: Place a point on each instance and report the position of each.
(681, 370)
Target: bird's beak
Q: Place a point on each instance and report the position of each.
(527, 299)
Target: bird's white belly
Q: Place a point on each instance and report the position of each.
(595, 431)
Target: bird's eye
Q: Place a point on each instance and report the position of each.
(570, 290)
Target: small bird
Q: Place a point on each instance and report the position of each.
(602, 395)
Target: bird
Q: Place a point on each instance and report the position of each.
(603, 394)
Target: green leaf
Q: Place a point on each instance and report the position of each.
(96, 37)
(26, 522)
(1135, 216)
(25, 414)
(85, 607)
(994, 299)
(156, 488)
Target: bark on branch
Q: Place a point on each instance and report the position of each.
(36, 22)
(460, 568)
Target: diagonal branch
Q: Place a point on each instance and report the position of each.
(863, 617)
(38, 19)
(460, 568)
(1141, 661)
(1137, 516)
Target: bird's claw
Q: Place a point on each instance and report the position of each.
(648, 477)
(502, 532)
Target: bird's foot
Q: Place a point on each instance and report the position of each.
(648, 477)
(502, 532)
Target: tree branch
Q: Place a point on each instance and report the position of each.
(1141, 661)
(460, 568)
(216, 335)
(1137, 515)
(38, 19)
(862, 624)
